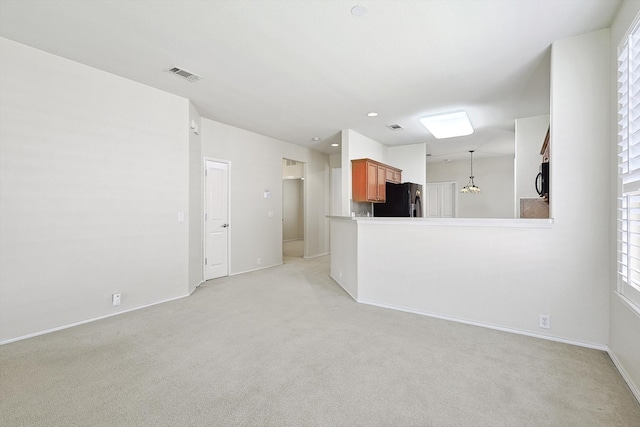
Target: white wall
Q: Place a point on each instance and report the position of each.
(344, 255)
(292, 209)
(318, 201)
(195, 201)
(411, 159)
(359, 146)
(94, 169)
(256, 166)
(624, 324)
(356, 146)
(579, 149)
(335, 162)
(530, 135)
(494, 176)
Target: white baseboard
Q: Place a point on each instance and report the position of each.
(625, 376)
(93, 319)
(255, 269)
(345, 289)
(316, 256)
(197, 286)
(488, 326)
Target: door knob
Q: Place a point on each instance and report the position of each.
(224, 225)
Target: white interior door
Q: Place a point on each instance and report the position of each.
(216, 220)
(441, 200)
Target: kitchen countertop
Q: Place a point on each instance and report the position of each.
(451, 222)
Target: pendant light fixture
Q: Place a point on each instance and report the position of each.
(471, 186)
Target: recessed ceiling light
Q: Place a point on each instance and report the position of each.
(335, 145)
(315, 138)
(372, 114)
(359, 11)
(448, 125)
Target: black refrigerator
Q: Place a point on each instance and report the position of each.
(403, 200)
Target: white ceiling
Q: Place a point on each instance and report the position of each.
(294, 70)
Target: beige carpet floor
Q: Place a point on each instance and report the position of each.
(293, 248)
(286, 346)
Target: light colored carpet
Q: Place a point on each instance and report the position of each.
(286, 346)
(293, 248)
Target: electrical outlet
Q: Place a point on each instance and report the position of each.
(545, 321)
(259, 261)
(115, 299)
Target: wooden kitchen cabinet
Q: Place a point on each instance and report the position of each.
(394, 175)
(545, 147)
(368, 180)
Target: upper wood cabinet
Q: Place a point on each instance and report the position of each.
(394, 175)
(368, 180)
(545, 147)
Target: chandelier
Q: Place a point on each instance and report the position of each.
(471, 186)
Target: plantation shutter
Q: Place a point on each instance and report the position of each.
(629, 166)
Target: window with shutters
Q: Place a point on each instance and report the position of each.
(629, 167)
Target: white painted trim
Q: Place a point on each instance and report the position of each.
(82, 322)
(345, 289)
(197, 286)
(316, 256)
(630, 304)
(254, 269)
(625, 376)
(305, 210)
(488, 325)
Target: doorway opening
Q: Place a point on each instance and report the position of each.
(293, 213)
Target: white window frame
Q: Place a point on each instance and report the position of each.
(629, 167)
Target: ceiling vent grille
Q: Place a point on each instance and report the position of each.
(395, 127)
(188, 75)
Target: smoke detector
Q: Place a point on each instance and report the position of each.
(188, 75)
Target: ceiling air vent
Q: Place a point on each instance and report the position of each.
(184, 74)
(395, 127)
